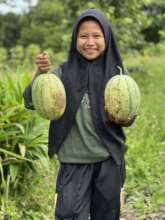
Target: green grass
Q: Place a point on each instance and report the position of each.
(146, 139)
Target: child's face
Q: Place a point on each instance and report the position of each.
(90, 40)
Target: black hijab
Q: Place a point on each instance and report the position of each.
(80, 75)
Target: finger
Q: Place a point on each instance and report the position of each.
(43, 59)
(47, 62)
(44, 66)
(44, 70)
(42, 55)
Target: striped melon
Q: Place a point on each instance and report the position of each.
(122, 97)
(48, 96)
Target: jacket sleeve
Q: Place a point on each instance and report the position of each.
(57, 71)
(27, 95)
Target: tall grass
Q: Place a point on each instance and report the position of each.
(23, 140)
(145, 183)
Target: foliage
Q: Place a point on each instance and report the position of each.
(49, 34)
(50, 23)
(31, 53)
(156, 11)
(16, 55)
(3, 56)
(25, 57)
(10, 28)
(145, 156)
(36, 199)
(23, 136)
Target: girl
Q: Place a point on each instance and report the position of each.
(89, 144)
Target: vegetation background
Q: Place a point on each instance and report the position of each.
(27, 176)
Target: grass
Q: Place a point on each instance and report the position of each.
(146, 139)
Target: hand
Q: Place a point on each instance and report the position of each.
(124, 123)
(43, 63)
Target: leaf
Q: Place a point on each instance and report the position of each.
(7, 188)
(41, 156)
(22, 148)
(15, 155)
(13, 171)
(9, 160)
(2, 173)
(20, 127)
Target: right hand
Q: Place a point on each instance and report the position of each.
(43, 63)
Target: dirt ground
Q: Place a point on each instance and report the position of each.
(130, 214)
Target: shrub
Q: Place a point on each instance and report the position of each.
(23, 136)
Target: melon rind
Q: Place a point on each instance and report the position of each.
(48, 96)
(122, 97)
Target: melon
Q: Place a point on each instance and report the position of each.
(48, 96)
(122, 97)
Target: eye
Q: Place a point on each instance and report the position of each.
(83, 36)
(97, 36)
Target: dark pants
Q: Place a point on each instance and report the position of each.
(89, 190)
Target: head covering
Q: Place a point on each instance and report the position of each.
(111, 52)
(80, 75)
(109, 60)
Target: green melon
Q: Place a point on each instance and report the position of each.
(122, 97)
(48, 96)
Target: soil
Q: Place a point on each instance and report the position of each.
(130, 214)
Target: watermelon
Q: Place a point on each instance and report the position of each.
(122, 97)
(48, 96)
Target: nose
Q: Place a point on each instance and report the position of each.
(90, 40)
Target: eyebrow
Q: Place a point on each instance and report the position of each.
(92, 33)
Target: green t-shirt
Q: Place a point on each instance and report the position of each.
(82, 144)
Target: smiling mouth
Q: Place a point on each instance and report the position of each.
(90, 50)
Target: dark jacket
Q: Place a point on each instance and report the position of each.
(78, 75)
